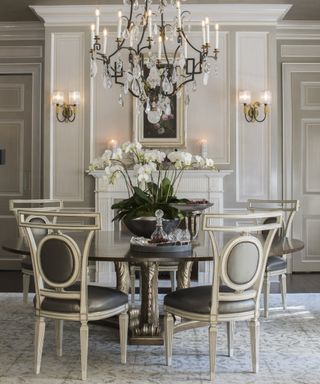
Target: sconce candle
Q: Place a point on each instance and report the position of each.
(265, 97)
(203, 24)
(204, 148)
(179, 14)
(92, 35)
(217, 36)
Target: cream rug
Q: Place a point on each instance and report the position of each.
(289, 353)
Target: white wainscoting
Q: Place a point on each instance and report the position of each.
(67, 139)
(253, 139)
(194, 185)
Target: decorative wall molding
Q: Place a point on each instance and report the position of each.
(34, 69)
(309, 100)
(255, 14)
(67, 139)
(11, 97)
(253, 139)
(300, 50)
(287, 71)
(310, 132)
(21, 52)
(21, 31)
(16, 132)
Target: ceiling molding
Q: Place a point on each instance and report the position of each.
(223, 13)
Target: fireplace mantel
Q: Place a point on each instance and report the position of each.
(195, 184)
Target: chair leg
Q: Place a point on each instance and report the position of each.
(212, 349)
(132, 283)
(283, 288)
(173, 280)
(38, 342)
(230, 333)
(254, 336)
(168, 336)
(59, 336)
(25, 287)
(123, 325)
(266, 292)
(84, 335)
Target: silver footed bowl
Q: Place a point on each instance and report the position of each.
(145, 226)
(191, 207)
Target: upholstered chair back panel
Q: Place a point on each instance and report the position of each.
(39, 231)
(56, 261)
(242, 264)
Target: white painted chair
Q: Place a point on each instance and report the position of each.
(38, 205)
(60, 262)
(276, 265)
(237, 282)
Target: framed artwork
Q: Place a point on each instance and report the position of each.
(170, 131)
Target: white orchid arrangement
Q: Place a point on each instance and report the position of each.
(148, 189)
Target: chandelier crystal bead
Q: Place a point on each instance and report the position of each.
(141, 63)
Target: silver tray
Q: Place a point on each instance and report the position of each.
(170, 248)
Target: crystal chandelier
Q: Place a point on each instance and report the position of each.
(140, 62)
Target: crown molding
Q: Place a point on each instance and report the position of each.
(69, 15)
(32, 30)
(298, 30)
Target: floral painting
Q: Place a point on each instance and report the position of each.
(168, 132)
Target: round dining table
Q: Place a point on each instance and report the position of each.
(115, 247)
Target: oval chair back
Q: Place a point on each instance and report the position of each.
(240, 264)
(58, 262)
(35, 205)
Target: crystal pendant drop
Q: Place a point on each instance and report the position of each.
(194, 86)
(187, 100)
(119, 64)
(205, 78)
(135, 87)
(93, 68)
(126, 87)
(154, 116)
(136, 5)
(120, 100)
(174, 77)
(168, 109)
(136, 71)
(148, 108)
(166, 84)
(126, 34)
(154, 77)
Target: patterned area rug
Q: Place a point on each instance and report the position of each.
(289, 350)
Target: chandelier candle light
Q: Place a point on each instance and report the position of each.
(152, 79)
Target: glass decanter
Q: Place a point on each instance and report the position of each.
(159, 235)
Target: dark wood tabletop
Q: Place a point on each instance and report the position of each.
(114, 246)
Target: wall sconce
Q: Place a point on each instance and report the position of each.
(66, 112)
(252, 110)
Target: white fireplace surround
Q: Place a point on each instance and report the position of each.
(195, 184)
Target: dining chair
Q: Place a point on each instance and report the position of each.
(237, 281)
(60, 262)
(38, 205)
(276, 265)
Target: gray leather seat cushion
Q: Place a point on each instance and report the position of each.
(198, 300)
(99, 299)
(26, 263)
(275, 263)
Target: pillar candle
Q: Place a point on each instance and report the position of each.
(97, 21)
(204, 148)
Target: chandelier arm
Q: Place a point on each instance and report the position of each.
(189, 43)
(175, 55)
